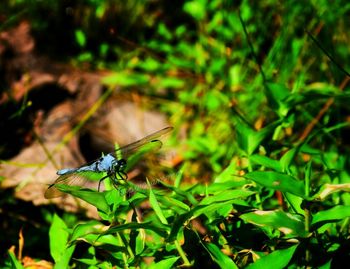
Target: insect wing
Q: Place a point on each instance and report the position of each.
(132, 153)
(74, 178)
(149, 142)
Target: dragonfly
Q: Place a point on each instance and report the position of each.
(113, 165)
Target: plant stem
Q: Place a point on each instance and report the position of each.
(182, 253)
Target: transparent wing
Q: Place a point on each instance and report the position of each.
(149, 142)
(132, 153)
(83, 179)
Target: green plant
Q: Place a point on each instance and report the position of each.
(265, 113)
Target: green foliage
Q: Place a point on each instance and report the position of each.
(265, 122)
(60, 251)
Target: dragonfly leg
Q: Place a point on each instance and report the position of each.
(122, 175)
(99, 183)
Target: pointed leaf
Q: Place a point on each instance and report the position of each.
(91, 227)
(15, 263)
(219, 257)
(276, 95)
(277, 259)
(334, 214)
(162, 231)
(58, 237)
(60, 251)
(328, 189)
(278, 181)
(289, 224)
(249, 140)
(156, 207)
(164, 264)
(266, 162)
(92, 197)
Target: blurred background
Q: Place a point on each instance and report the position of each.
(78, 76)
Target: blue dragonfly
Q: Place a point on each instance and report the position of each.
(113, 165)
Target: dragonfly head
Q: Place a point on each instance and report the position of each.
(122, 164)
(119, 164)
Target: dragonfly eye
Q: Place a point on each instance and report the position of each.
(121, 162)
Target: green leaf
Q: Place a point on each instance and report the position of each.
(277, 181)
(80, 38)
(92, 197)
(227, 195)
(235, 75)
(170, 82)
(149, 65)
(196, 9)
(288, 157)
(16, 264)
(334, 214)
(164, 31)
(220, 258)
(175, 204)
(58, 237)
(327, 265)
(59, 249)
(277, 259)
(276, 95)
(91, 227)
(162, 231)
(221, 186)
(290, 225)
(85, 57)
(248, 139)
(266, 162)
(328, 189)
(164, 264)
(208, 206)
(295, 202)
(156, 207)
(126, 79)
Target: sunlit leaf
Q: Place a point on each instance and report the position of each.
(196, 9)
(266, 162)
(249, 139)
(328, 189)
(226, 196)
(15, 263)
(166, 263)
(288, 158)
(219, 257)
(156, 207)
(221, 186)
(90, 227)
(290, 225)
(93, 197)
(208, 206)
(276, 95)
(277, 181)
(80, 38)
(334, 214)
(277, 259)
(60, 251)
(164, 32)
(170, 83)
(126, 79)
(161, 230)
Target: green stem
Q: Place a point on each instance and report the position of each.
(182, 253)
(307, 214)
(257, 195)
(122, 238)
